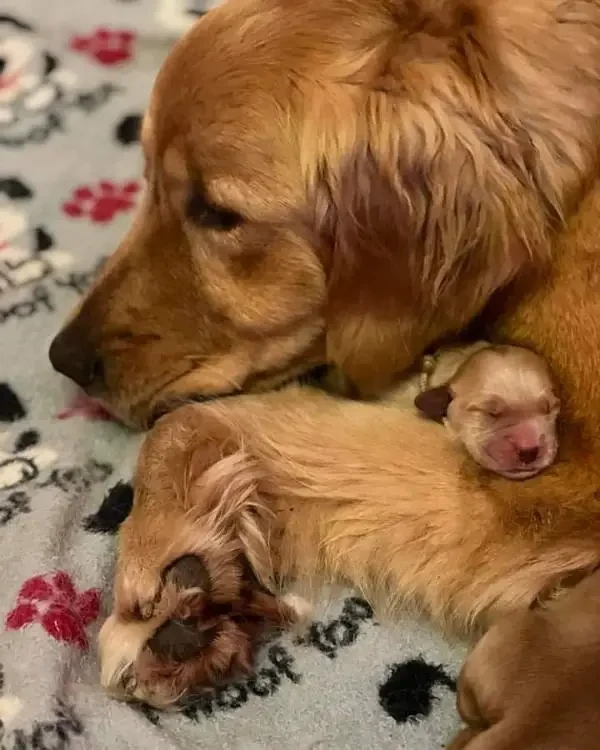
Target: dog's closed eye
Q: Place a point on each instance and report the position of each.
(206, 214)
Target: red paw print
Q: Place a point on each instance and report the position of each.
(54, 603)
(107, 46)
(102, 202)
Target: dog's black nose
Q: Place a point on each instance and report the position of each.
(528, 455)
(74, 359)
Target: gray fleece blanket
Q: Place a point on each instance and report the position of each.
(74, 77)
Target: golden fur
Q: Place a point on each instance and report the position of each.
(348, 182)
(322, 488)
(343, 182)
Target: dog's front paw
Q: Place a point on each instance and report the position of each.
(141, 573)
(155, 622)
(120, 643)
(138, 589)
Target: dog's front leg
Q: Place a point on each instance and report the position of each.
(195, 587)
(161, 525)
(174, 551)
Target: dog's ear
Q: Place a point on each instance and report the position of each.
(425, 198)
(403, 233)
(434, 402)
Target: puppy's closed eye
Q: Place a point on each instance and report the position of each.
(549, 405)
(210, 216)
(493, 408)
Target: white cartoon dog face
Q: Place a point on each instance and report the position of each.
(30, 79)
(18, 61)
(26, 253)
(25, 462)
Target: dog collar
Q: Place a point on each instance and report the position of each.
(428, 365)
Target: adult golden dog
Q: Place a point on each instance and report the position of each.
(301, 484)
(348, 182)
(342, 182)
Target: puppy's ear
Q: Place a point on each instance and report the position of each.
(434, 402)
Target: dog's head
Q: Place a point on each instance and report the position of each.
(313, 172)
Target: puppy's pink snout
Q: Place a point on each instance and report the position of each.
(529, 455)
(528, 444)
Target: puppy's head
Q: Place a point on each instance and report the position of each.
(302, 194)
(501, 404)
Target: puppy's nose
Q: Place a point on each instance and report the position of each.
(528, 455)
(75, 360)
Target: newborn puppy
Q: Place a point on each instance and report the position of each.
(501, 405)
(531, 683)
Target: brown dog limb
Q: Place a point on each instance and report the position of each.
(463, 740)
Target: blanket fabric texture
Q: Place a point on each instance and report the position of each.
(74, 78)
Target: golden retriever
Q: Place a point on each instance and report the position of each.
(343, 182)
(308, 486)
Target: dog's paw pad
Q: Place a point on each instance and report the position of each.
(188, 572)
(179, 640)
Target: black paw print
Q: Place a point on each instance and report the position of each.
(11, 407)
(407, 694)
(115, 508)
(128, 130)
